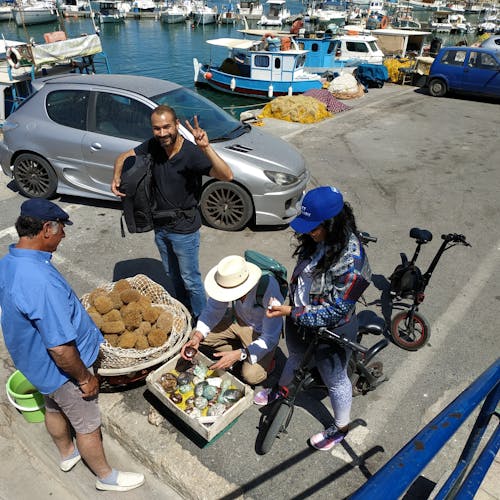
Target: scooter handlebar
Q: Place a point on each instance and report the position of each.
(456, 238)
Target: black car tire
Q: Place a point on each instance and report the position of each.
(226, 206)
(437, 87)
(34, 176)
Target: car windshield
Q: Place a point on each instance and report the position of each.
(218, 124)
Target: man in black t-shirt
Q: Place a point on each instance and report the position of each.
(177, 170)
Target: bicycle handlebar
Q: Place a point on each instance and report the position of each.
(326, 334)
(455, 238)
(367, 237)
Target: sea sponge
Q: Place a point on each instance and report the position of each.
(112, 315)
(144, 328)
(144, 301)
(115, 298)
(132, 319)
(112, 339)
(165, 321)
(121, 285)
(151, 314)
(97, 319)
(141, 342)
(92, 309)
(157, 337)
(103, 304)
(128, 296)
(133, 306)
(96, 293)
(113, 327)
(127, 340)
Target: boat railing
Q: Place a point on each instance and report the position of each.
(401, 471)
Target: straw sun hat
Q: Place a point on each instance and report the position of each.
(231, 278)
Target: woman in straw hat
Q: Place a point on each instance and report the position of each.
(332, 272)
(233, 323)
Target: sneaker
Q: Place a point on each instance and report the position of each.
(67, 464)
(327, 439)
(268, 395)
(125, 481)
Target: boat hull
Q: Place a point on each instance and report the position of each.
(30, 17)
(249, 87)
(172, 18)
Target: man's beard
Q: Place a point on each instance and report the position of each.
(168, 140)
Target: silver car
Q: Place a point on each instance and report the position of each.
(65, 137)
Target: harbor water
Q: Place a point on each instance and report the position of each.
(149, 47)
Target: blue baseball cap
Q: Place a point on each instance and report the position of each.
(43, 209)
(318, 205)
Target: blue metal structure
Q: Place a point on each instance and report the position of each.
(397, 475)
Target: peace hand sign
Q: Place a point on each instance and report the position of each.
(200, 136)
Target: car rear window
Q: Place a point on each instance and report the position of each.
(68, 107)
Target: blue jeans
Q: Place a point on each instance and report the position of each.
(180, 258)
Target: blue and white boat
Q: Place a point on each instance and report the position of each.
(258, 69)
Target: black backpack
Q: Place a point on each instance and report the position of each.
(136, 184)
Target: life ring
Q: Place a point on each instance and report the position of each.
(13, 57)
(384, 22)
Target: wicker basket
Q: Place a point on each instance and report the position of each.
(118, 358)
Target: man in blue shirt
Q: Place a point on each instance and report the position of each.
(54, 342)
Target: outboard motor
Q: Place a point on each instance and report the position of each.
(435, 46)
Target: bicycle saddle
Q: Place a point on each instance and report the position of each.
(369, 322)
(421, 235)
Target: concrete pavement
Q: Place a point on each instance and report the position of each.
(402, 159)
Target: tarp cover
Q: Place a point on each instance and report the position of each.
(372, 74)
(55, 52)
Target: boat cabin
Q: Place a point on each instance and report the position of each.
(401, 42)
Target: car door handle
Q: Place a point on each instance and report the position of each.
(96, 146)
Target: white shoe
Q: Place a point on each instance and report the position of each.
(69, 463)
(124, 482)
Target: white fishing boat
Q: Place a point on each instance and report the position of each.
(111, 12)
(143, 6)
(34, 12)
(459, 24)
(327, 12)
(204, 14)
(440, 21)
(6, 11)
(277, 13)
(177, 12)
(251, 10)
(228, 15)
(21, 63)
(72, 6)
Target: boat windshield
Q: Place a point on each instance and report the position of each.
(218, 124)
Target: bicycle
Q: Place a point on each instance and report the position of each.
(410, 330)
(365, 375)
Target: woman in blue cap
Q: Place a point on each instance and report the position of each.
(332, 272)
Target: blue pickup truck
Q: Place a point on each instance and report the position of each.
(472, 70)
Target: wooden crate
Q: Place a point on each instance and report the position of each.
(207, 431)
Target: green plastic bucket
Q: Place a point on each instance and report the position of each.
(24, 396)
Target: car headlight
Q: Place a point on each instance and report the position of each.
(9, 125)
(281, 178)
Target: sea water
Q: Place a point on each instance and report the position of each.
(149, 47)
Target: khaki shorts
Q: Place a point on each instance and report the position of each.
(83, 414)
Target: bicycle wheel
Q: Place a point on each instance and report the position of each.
(275, 424)
(410, 333)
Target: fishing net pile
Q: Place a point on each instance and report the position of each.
(332, 104)
(393, 66)
(346, 87)
(299, 108)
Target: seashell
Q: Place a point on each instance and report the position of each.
(225, 384)
(190, 352)
(190, 401)
(216, 410)
(154, 416)
(232, 395)
(197, 380)
(209, 392)
(184, 378)
(215, 381)
(169, 382)
(193, 412)
(199, 388)
(185, 388)
(200, 370)
(200, 402)
(176, 398)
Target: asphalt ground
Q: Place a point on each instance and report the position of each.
(403, 159)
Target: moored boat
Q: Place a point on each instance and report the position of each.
(251, 10)
(35, 12)
(277, 13)
(204, 14)
(111, 12)
(258, 69)
(177, 12)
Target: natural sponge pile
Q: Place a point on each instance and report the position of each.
(297, 108)
(128, 319)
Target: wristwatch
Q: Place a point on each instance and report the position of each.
(243, 354)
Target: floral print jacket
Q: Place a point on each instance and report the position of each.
(334, 294)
